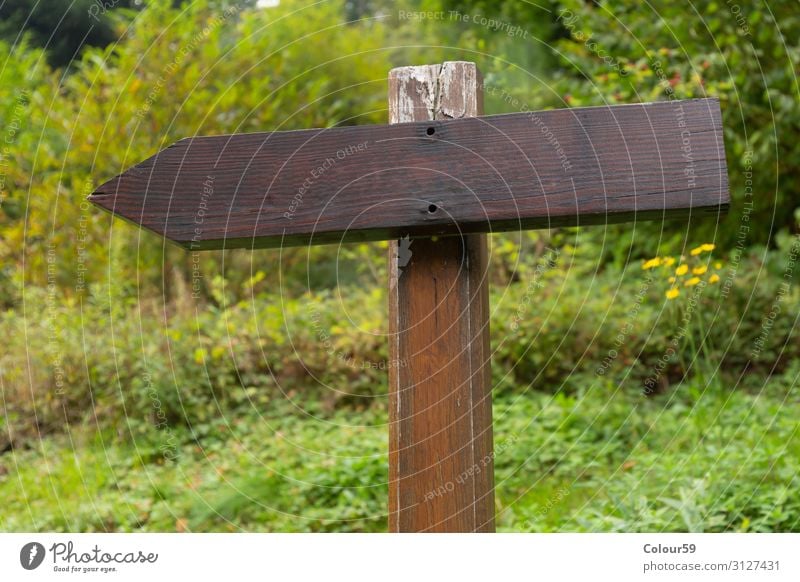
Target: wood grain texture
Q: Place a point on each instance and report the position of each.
(503, 172)
(441, 470)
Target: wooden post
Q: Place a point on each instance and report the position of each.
(441, 474)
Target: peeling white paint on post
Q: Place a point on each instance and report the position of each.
(430, 88)
(414, 96)
(455, 106)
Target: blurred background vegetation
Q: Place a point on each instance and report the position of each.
(132, 403)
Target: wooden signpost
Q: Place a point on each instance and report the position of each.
(434, 182)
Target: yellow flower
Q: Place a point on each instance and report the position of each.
(673, 293)
(672, 279)
(669, 261)
(682, 270)
(713, 278)
(704, 248)
(717, 265)
(651, 263)
(699, 270)
(693, 281)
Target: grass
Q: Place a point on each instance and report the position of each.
(595, 460)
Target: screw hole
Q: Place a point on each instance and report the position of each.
(431, 130)
(432, 208)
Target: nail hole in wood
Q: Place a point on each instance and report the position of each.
(432, 208)
(431, 130)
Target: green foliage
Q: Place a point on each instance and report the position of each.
(62, 27)
(556, 329)
(593, 463)
(618, 52)
(138, 364)
(176, 72)
(588, 462)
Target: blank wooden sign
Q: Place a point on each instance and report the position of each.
(495, 173)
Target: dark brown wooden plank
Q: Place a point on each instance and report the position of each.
(441, 470)
(503, 172)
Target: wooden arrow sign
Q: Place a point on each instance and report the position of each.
(482, 174)
(439, 169)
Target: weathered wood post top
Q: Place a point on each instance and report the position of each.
(441, 169)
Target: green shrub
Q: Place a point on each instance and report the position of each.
(618, 52)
